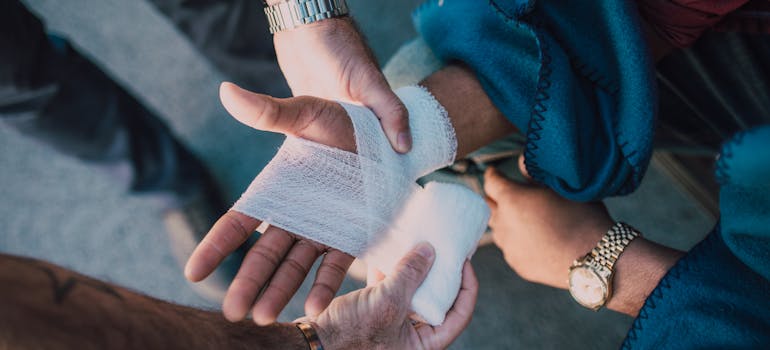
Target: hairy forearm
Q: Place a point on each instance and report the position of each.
(476, 120)
(46, 306)
(637, 272)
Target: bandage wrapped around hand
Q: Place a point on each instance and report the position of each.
(368, 203)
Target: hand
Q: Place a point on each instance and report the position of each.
(377, 317)
(539, 232)
(279, 260)
(329, 59)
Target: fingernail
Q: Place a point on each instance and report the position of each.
(425, 250)
(404, 140)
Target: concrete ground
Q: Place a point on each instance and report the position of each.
(73, 214)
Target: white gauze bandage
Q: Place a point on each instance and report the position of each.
(370, 199)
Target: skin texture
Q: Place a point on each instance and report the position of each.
(329, 59)
(43, 306)
(47, 307)
(541, 233)
(280, 260)
(392, 327)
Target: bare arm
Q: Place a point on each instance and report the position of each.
(476, 121)
(45, 306)
(541, 233)
(475, 118)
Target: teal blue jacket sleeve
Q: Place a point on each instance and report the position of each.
(574, 76)
(718, 295)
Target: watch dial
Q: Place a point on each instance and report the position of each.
(586, 287)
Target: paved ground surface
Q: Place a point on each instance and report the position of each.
(73, 214)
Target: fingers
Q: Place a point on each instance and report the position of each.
(328, 279)
(458, 317)
(258, 266)
(285, 281)
(496, 185)
(392, 113)
(307, 117)
(227, 234)
(491, 203)
(411, 271)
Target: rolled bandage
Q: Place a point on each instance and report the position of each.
(370, 199)
(450, 217)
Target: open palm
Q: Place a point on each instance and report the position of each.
(278, 263)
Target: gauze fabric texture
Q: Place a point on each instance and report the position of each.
(352, 201)
(450, 217)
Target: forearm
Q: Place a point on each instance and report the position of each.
(637, 272)
(476, 120)
(46, 306)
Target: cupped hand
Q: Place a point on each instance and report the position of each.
(329, 59)
(378, 316)
(539, 232)
(279, 261)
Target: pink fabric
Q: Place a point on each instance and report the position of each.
(682, 22)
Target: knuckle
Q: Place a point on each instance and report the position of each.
(249, 280)
(325, 288)
(272, 256)
(311, 112)
(270, 114)
(235, 224)
(414, 268)
(214, 248)
(333, 268)
(296, 267)
(400, 112)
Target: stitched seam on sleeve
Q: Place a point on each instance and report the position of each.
(539, 108)
(537, 114)
(525, 17)
(688, 263)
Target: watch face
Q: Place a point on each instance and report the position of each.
(587, 287)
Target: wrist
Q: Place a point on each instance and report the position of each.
(474, 117)
(638, 272)
(289, 15)
(337, 29)
(328, 335)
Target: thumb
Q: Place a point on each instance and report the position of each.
(411, 271)
(393, 115)
(496, 185)
(307, 117)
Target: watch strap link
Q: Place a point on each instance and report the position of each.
(607, 252)
(289, 14)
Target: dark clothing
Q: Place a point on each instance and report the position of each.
(233, 35)
(682, 22)
(50, 92)
(718, 295)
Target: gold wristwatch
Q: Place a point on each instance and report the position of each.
(590, 277)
